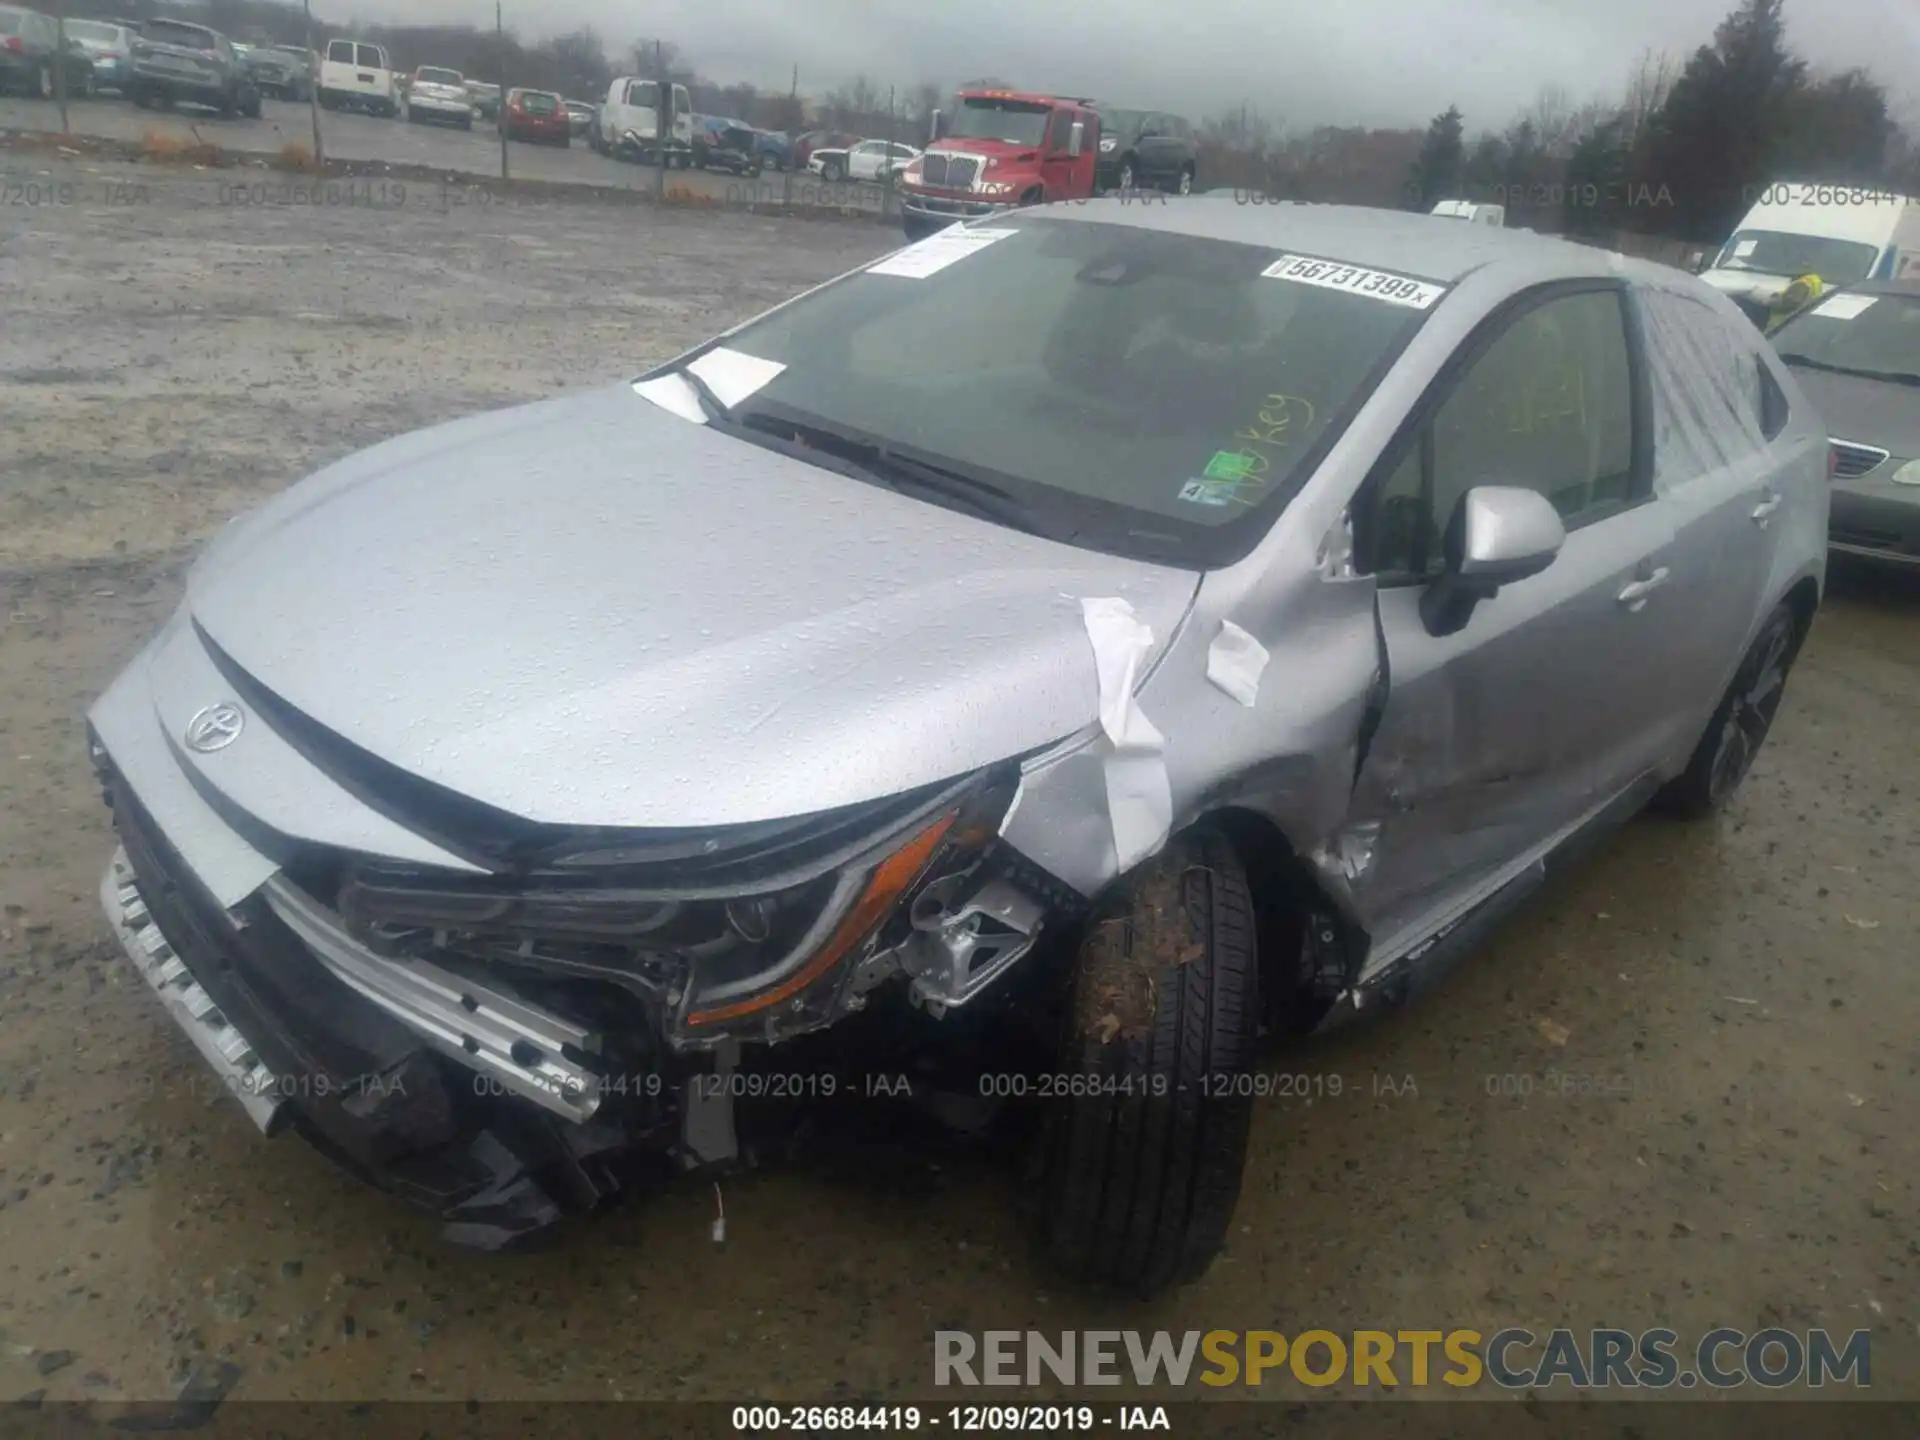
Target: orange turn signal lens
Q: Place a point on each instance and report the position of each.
(884, 888)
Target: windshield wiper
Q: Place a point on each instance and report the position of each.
(1895, 377)
(880, 463)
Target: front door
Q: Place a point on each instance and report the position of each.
(1499, 738)
(1056, 165)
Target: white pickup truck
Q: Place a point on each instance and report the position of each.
(625, 125)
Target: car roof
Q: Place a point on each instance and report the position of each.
(1429, 246)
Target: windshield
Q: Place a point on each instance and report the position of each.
(1018, 122)
(1133, 391)
(1775, 252)
(94, 30)
(431, 76)
(166, 32)
(1871, 334)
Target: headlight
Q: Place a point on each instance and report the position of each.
(1908, 474)
(749, 934)
(1108, 145)
(995, 187)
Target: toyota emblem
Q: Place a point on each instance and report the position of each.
(215, 728)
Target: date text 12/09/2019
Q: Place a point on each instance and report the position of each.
(957, 1419)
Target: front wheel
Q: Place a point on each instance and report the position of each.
(1140, 1166)
(834, 170)
(1740, 723)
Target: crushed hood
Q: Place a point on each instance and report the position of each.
(589, 611)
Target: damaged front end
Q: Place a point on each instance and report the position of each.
(511, 1044)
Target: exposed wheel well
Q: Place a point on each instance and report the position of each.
(1287, 896)
(1804, 597)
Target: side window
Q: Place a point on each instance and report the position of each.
(340, 51)
(1774, 410)
(1057, 129)
(1709, 409)
(1547, 406)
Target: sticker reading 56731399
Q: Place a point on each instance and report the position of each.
(1356, 280)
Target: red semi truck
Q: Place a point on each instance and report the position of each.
(997, 150)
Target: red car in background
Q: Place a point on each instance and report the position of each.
(536, 115)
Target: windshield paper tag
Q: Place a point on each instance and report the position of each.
(1845, 307)
(936, 252)
(1355, 280)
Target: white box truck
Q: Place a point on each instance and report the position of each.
(1842, 233)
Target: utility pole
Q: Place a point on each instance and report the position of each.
(60, 64)
(793, 136)
(662, 118)
(500, 39)
(313, 91)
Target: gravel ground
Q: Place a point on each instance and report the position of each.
(167, 359)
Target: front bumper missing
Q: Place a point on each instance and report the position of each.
(230, 1053)
(522, 1048)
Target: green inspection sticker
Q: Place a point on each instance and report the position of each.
(1230, 465)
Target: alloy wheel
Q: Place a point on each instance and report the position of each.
(1755, 702)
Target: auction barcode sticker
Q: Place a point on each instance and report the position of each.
(1356, 280)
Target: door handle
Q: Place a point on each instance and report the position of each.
(1635, 595)
(1765, 508)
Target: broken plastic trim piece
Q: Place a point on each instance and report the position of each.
(1235, 663)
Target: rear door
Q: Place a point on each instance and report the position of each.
(1722, 485)
(1497, 740)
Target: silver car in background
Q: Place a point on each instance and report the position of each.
(109, 46)
(437, 93)
(1093, 641)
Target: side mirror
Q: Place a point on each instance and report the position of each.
(936, 126)
(1076, 137)
(1497, 535)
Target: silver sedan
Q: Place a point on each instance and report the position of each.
(1114, 634)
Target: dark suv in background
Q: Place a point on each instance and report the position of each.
(177, 62)
(1149, 149)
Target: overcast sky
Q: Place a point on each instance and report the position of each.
(1378, 62)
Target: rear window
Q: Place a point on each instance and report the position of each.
(172, 32)
(642, 92)
(372, 57)
(94, 30)
(339, 51)
(431, 76)
(535, 102)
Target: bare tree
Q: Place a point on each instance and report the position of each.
(1653, 78)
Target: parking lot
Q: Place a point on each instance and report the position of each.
(353, 136)
(1742, 994)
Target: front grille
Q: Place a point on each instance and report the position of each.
(954, 172)
(1851, 460)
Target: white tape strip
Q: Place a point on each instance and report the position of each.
(1235, 662)
(733, 375)
(1139, 797)
(673, 394)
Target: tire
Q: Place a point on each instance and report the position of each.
(250, 104)
(1137, 1188)
(467, 124)
(1740, 722)
(1126, 177)
(229, 105)
(916, 228)
(833, 170)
